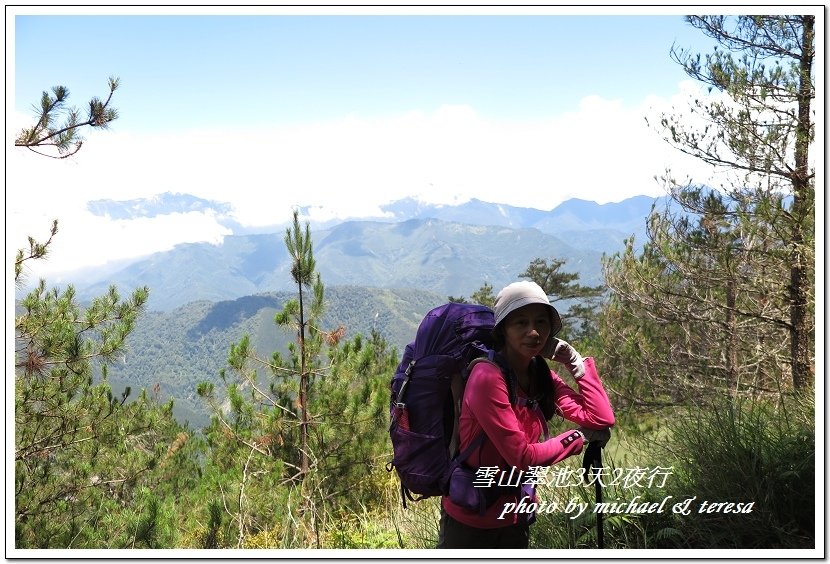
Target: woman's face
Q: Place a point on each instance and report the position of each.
(527, 329)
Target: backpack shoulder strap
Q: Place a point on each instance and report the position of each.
(533, 405)
(477, 442)
(457, 391)
(481, 359)
(457, 388)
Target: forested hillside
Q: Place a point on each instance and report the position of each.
(190, 344)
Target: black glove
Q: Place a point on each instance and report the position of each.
(592, 462)
(563, 352)
(601, 436)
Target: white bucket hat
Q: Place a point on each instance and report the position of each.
(519, 294)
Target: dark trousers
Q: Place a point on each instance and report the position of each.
(453, 534)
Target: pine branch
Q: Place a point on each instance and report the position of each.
(42, 135)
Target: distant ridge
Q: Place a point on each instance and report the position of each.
(448, 250)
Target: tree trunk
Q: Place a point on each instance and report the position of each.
(303, 394)
(732, 362)
(802, 209)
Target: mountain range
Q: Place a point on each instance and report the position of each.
(380, 274)
(450, 250)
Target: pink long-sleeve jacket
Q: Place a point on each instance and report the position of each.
(513, 431)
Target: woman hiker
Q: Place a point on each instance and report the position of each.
(507, 404)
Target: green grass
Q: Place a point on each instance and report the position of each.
(723, 451)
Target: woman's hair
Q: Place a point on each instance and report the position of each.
(544, 384)
(499, 339)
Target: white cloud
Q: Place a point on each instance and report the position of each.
(602, 152)
(85, 240)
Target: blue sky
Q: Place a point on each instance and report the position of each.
(341, 110)
(186, 71)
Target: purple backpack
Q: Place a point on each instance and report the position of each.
(426, 392)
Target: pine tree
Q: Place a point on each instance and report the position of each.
(763, 132)
(302, 427)
(726, 278)
(300, 248)
(485, 295)
(81, 451)
(579, 321)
